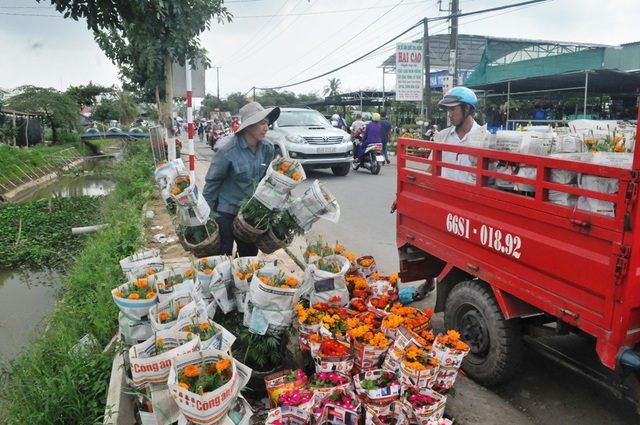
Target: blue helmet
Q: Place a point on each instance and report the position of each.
(458, 95)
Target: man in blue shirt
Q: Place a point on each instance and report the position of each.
(239, 162)
(386, 132)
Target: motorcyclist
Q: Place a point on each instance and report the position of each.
(372, 134)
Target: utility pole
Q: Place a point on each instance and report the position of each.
(427, 69)
(218, 87)
(453, 43)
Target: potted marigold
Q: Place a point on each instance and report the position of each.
(209, 332)
(282, 176)
(205, 383)
(309, 322)
(418, 368)
(252, 220)
(403, 339)
(370, 346)
(243, 269)
(331, 355)
(151, 360)
(366, 265)
(135, 298)
(450, 351)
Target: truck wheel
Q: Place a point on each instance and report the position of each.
(495, 344)
(341, 170)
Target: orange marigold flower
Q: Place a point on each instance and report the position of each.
(163, 316)
(183, 385)
(203, 261)
(223, 364)
(191, 370)
(296, 176)
(176, 190)
(134, 296)
(204, 326)
(151, 295)
(284, 167)
(150, 273)
(142, 283)
(119, 294)
(207, 271)
(189, 272)
(263, 280)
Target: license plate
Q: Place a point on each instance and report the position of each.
(379, 158)
(327, 149)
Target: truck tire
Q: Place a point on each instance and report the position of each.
(495, 343)
(341, 170)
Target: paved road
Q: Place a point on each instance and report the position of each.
(544, 392)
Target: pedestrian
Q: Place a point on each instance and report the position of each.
(460, 104)
(385, 133)
(431, 133)
(239, 162)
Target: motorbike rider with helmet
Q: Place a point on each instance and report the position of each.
(460, 104)
(372, 134)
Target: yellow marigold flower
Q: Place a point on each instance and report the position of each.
(191, 370)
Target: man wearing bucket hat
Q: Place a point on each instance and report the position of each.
(460, 104)
(239, 162)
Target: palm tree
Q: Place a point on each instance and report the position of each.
(333, 88)
(127, 109)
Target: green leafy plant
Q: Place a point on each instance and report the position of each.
(284, 226)
(255, 213)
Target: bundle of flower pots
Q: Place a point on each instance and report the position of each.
(195, 222)
(375, 359)
(271, 218)
(177, 357)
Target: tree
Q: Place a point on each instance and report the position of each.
(86, 95)
(106, 111)
(59, 110)
(127, 108)
(144, 38)
(333, 89)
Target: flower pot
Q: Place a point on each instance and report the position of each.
(244, 231)
(269, 243)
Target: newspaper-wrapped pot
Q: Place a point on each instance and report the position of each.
(283, 175)
(323, 285)
(211, 407)
(316, 202)
(285, 380)
(386, 390)
(148, 366)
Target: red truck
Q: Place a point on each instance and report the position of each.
(506, 262)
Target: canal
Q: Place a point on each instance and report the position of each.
(27, 296)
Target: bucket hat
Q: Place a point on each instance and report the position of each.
(253, 113)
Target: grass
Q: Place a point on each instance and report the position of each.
(52, 381)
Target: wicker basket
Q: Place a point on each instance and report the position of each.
(269, 243)
(244, 231)
(208, 247)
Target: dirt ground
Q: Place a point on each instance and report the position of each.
(162, 224)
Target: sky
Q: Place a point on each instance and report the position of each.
(273, 43)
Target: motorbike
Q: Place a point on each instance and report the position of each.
(372, 159)
(214, 136)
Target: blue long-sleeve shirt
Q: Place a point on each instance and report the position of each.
(234, 172)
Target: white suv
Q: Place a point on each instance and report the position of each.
(306, 135)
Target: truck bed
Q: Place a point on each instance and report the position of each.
(538, 256)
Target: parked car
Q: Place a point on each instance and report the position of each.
(306, 135)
